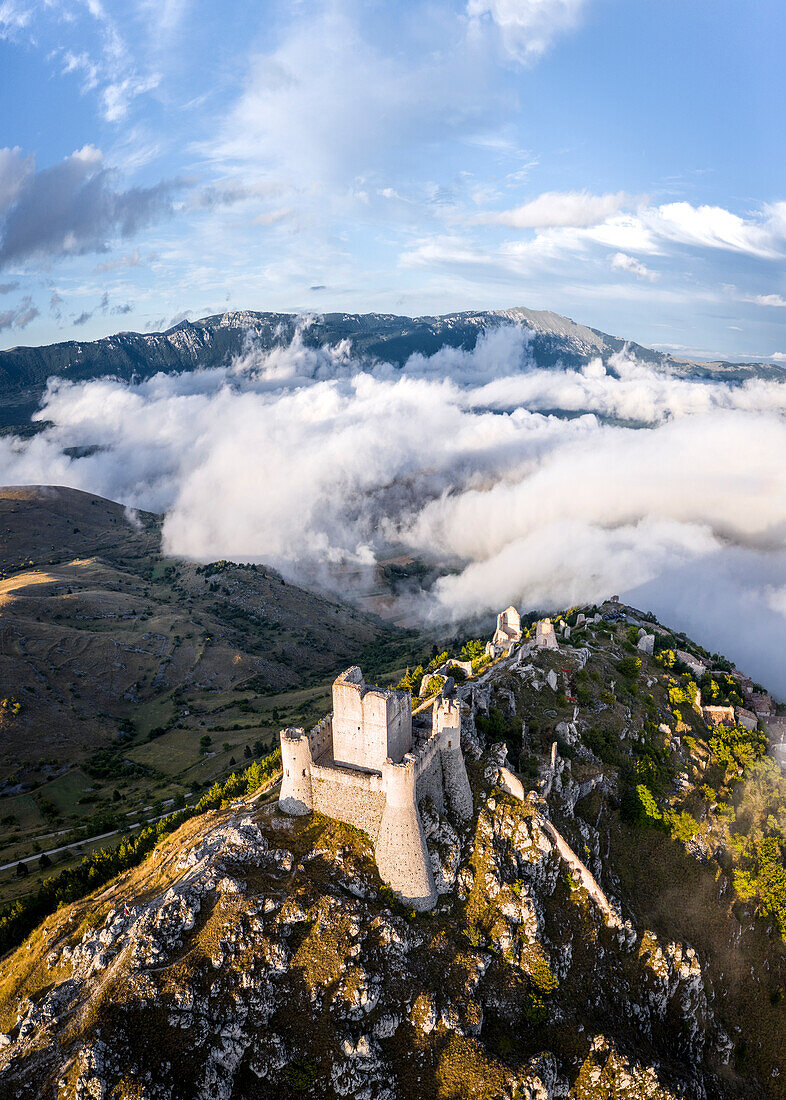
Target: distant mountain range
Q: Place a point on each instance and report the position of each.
(556, 341)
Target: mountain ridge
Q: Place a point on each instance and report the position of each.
(555, 341)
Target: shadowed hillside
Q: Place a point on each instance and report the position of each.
(123, 670)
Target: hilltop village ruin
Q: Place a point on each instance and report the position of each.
(372, 761)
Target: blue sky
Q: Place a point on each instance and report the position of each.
(619, 161)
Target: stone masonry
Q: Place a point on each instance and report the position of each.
(508, 630)
(364, 765)
(545, 638)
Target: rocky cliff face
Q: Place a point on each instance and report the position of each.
(255, 955)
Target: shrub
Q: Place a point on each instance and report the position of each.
(735, 746)
(687, 692)
(302, 1074)
(604, 743)
(535, 1009)
(647, 807)
(435, 662)
(681, 825)
(434, 686)
(629, 666)
(765, 879)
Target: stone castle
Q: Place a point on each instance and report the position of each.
(368, 765)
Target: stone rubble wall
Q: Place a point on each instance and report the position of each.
(355, 798)
(430, 782)
(320, 738)
(583, 873)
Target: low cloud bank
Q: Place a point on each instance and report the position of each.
(309, 459)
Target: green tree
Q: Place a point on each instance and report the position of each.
(647, 806)
(473, 650)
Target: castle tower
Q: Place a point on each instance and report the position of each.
(370, 724)
(545, 638)
(296, 795)
(446, 724)
(401, 852)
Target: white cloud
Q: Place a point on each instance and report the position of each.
(713, 227)
(331, 105)
(528, 27)
(558, 208)
(112, 70)
(14, 16)
(649, 230)
(768, 300)
(620, 261)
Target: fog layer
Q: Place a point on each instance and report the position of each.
(543, 488)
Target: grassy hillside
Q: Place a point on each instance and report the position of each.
(128, 680)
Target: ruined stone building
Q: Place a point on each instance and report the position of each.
(508, 630)
(366, 765)
(545, 638)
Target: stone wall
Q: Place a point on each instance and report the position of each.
(349, 796)
(430, 783)
(718, 716)
(320, 738)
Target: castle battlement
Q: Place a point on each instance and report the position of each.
(338, 769)
(320, 738)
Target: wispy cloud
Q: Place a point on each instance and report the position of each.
(528, 27)
(768, 300)
(131, 260)
(14, 17)
(20, 316)
(620, 261)
(557, 208)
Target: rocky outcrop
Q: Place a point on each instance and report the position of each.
(262, 955)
